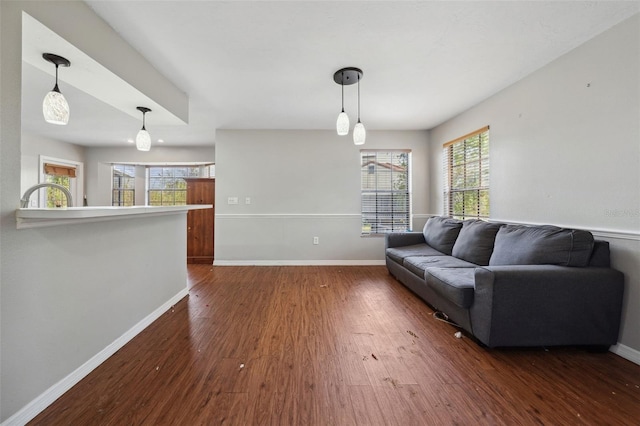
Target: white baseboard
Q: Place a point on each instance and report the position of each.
(626, 352)
(298, 262)
(36, 406)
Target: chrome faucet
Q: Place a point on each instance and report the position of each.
(24, 201)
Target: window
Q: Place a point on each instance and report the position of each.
(63, 175)
(123, 189)
(466, 176)
(166, 185)
(386, 191)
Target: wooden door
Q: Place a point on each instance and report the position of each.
(200, 230)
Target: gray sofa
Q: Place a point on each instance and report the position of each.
(513, 285)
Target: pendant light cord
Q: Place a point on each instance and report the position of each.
(358, 97)
(55, 89)
(342, 85)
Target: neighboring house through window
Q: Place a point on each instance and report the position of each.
(385, 191)
(466, 176)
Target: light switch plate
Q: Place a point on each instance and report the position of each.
(232, 200)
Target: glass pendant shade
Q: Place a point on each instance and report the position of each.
(359, 134)
(55, 108)
(143, 140)
(342, 125)
(345, 77)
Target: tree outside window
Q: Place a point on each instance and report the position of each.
(167, 185)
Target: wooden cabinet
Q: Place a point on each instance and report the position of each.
(200, 230)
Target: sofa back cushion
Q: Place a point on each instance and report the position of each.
(441, 233)
(600, 256)
(475, 241)
(540, 245)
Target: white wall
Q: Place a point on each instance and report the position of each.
(301, 184)
(99, 161)
(68, 292)
(565, 150)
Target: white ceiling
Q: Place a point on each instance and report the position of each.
(270, 64)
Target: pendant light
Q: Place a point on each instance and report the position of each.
(54, 106)
(143, 139)
(359, 132)
(345, 77)
(342, 124)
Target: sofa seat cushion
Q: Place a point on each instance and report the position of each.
(398, 254)
(418, 264)
(541, 245)
(454, 284)
(441, 233)
(475, 241)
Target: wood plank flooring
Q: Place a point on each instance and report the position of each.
(335, 346)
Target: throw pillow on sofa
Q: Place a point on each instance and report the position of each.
(541, 245)
(475, 241)
(441, 233)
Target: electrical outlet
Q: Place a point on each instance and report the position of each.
(316, 241)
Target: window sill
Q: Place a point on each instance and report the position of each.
(37, 218)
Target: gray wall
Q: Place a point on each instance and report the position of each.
(565, 150)
(301, 184)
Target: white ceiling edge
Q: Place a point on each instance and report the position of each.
(86, 74)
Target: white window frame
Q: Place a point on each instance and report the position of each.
(204, 170)
(482, 164)
(374, 230)
(77, 183)
(134, 180)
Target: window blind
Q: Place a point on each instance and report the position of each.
(466, 175)
(385, 191)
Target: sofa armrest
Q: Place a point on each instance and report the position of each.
(547, 305)
(401, 239)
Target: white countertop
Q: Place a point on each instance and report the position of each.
(33, 217)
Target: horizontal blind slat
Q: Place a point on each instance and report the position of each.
(466, 180)
(385, 199)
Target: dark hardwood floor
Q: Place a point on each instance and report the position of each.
(335, 346)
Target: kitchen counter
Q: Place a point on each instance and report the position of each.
(35, 217)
